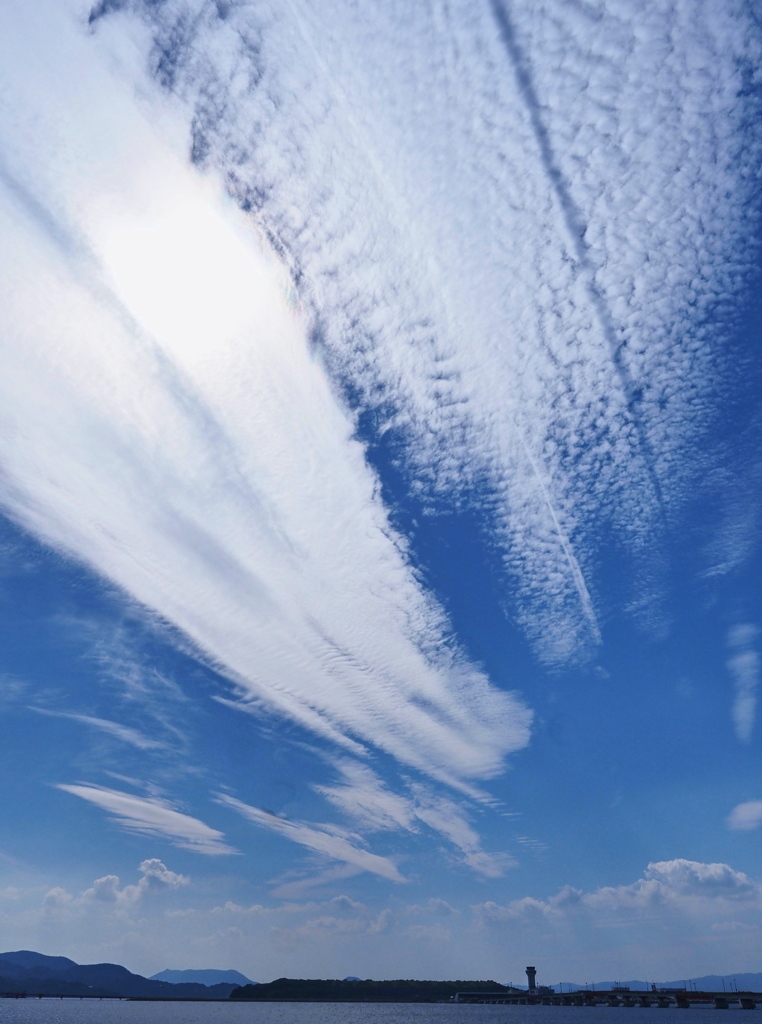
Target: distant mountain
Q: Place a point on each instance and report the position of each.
(634, 986)
(716, 982)
(37, 974)
(25, 958)
(205, 977)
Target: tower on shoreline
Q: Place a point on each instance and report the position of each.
(531, 976)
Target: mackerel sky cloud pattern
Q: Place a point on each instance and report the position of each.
(379, 475)
(595, 152)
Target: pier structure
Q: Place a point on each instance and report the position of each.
(615, 997)
(619, 995)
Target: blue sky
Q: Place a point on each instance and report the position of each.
(379, 463)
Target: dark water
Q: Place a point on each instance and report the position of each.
(56, 1011)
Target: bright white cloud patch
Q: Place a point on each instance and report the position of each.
(743, 665)
(520, 226)
(153, 817)
(328, 840)
(164, 420)
(746, 817)
(684, 879)
(106, 891)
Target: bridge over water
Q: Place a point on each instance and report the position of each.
(616, 997)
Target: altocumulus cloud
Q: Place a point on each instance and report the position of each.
(518, 227)
(168, 425)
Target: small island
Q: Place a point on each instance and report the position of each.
(355, 991)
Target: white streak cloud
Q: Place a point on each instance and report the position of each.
(364, 798)
(743, 665)
(328, 840)
(120, 732)
(445, 817)
(153, 817)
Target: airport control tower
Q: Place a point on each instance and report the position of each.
(531, 975)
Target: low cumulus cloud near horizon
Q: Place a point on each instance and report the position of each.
(711, 902)
(106, 891)
(677, 886)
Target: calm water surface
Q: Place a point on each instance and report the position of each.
(56, 1011)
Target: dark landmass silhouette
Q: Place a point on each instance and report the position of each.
(27, 972)
(36, 974)
(412, 991)
(314, 990)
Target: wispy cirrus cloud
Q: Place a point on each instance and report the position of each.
(294, 885)
(363, 797)
(328, 840)
(124, 733)
(743, 665)
(151, 816)
(446, 817)
(573, 188)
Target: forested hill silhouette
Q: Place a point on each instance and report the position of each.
(334, 991)
(25, 971)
